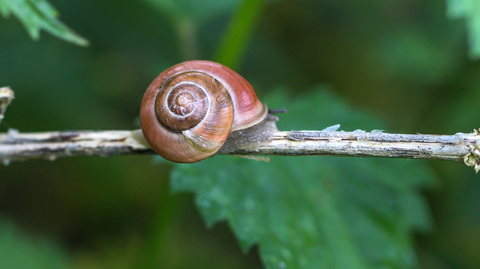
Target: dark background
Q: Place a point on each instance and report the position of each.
(405, 61)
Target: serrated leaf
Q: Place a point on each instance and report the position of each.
(19, 251)
(314, 212)
(470, 11)
(193, 10)
(36, 15)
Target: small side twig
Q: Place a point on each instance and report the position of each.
(6, 96)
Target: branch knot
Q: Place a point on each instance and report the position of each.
(6, 96)
(472, 159)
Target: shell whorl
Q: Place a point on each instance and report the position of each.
(189, 110)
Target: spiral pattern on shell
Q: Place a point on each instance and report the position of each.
(189, 110)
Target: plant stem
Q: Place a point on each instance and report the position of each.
(460, 147)
(187, 32)
(238, 33)
(261, 139)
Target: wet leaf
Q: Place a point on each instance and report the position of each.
(315, 212)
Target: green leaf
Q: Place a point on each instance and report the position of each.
(470, 10)
(19, 251)
(315, 212)
(37, 15)
(192, 10)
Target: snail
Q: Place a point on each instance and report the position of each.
(190, 109)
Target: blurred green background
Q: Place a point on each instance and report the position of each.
(404, 61)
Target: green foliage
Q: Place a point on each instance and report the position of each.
(178, 10)
(402, 60)
(315, 212)
(19, 250)
(187, 16)
(39, 14)
(470, 11)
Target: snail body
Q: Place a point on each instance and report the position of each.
(189, 110)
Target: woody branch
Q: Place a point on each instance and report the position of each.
(460, 147)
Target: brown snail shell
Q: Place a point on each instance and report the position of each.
(189, 110)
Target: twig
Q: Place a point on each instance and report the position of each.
(6, 96)
(460, 147)
(262, 139)
(51, 145)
